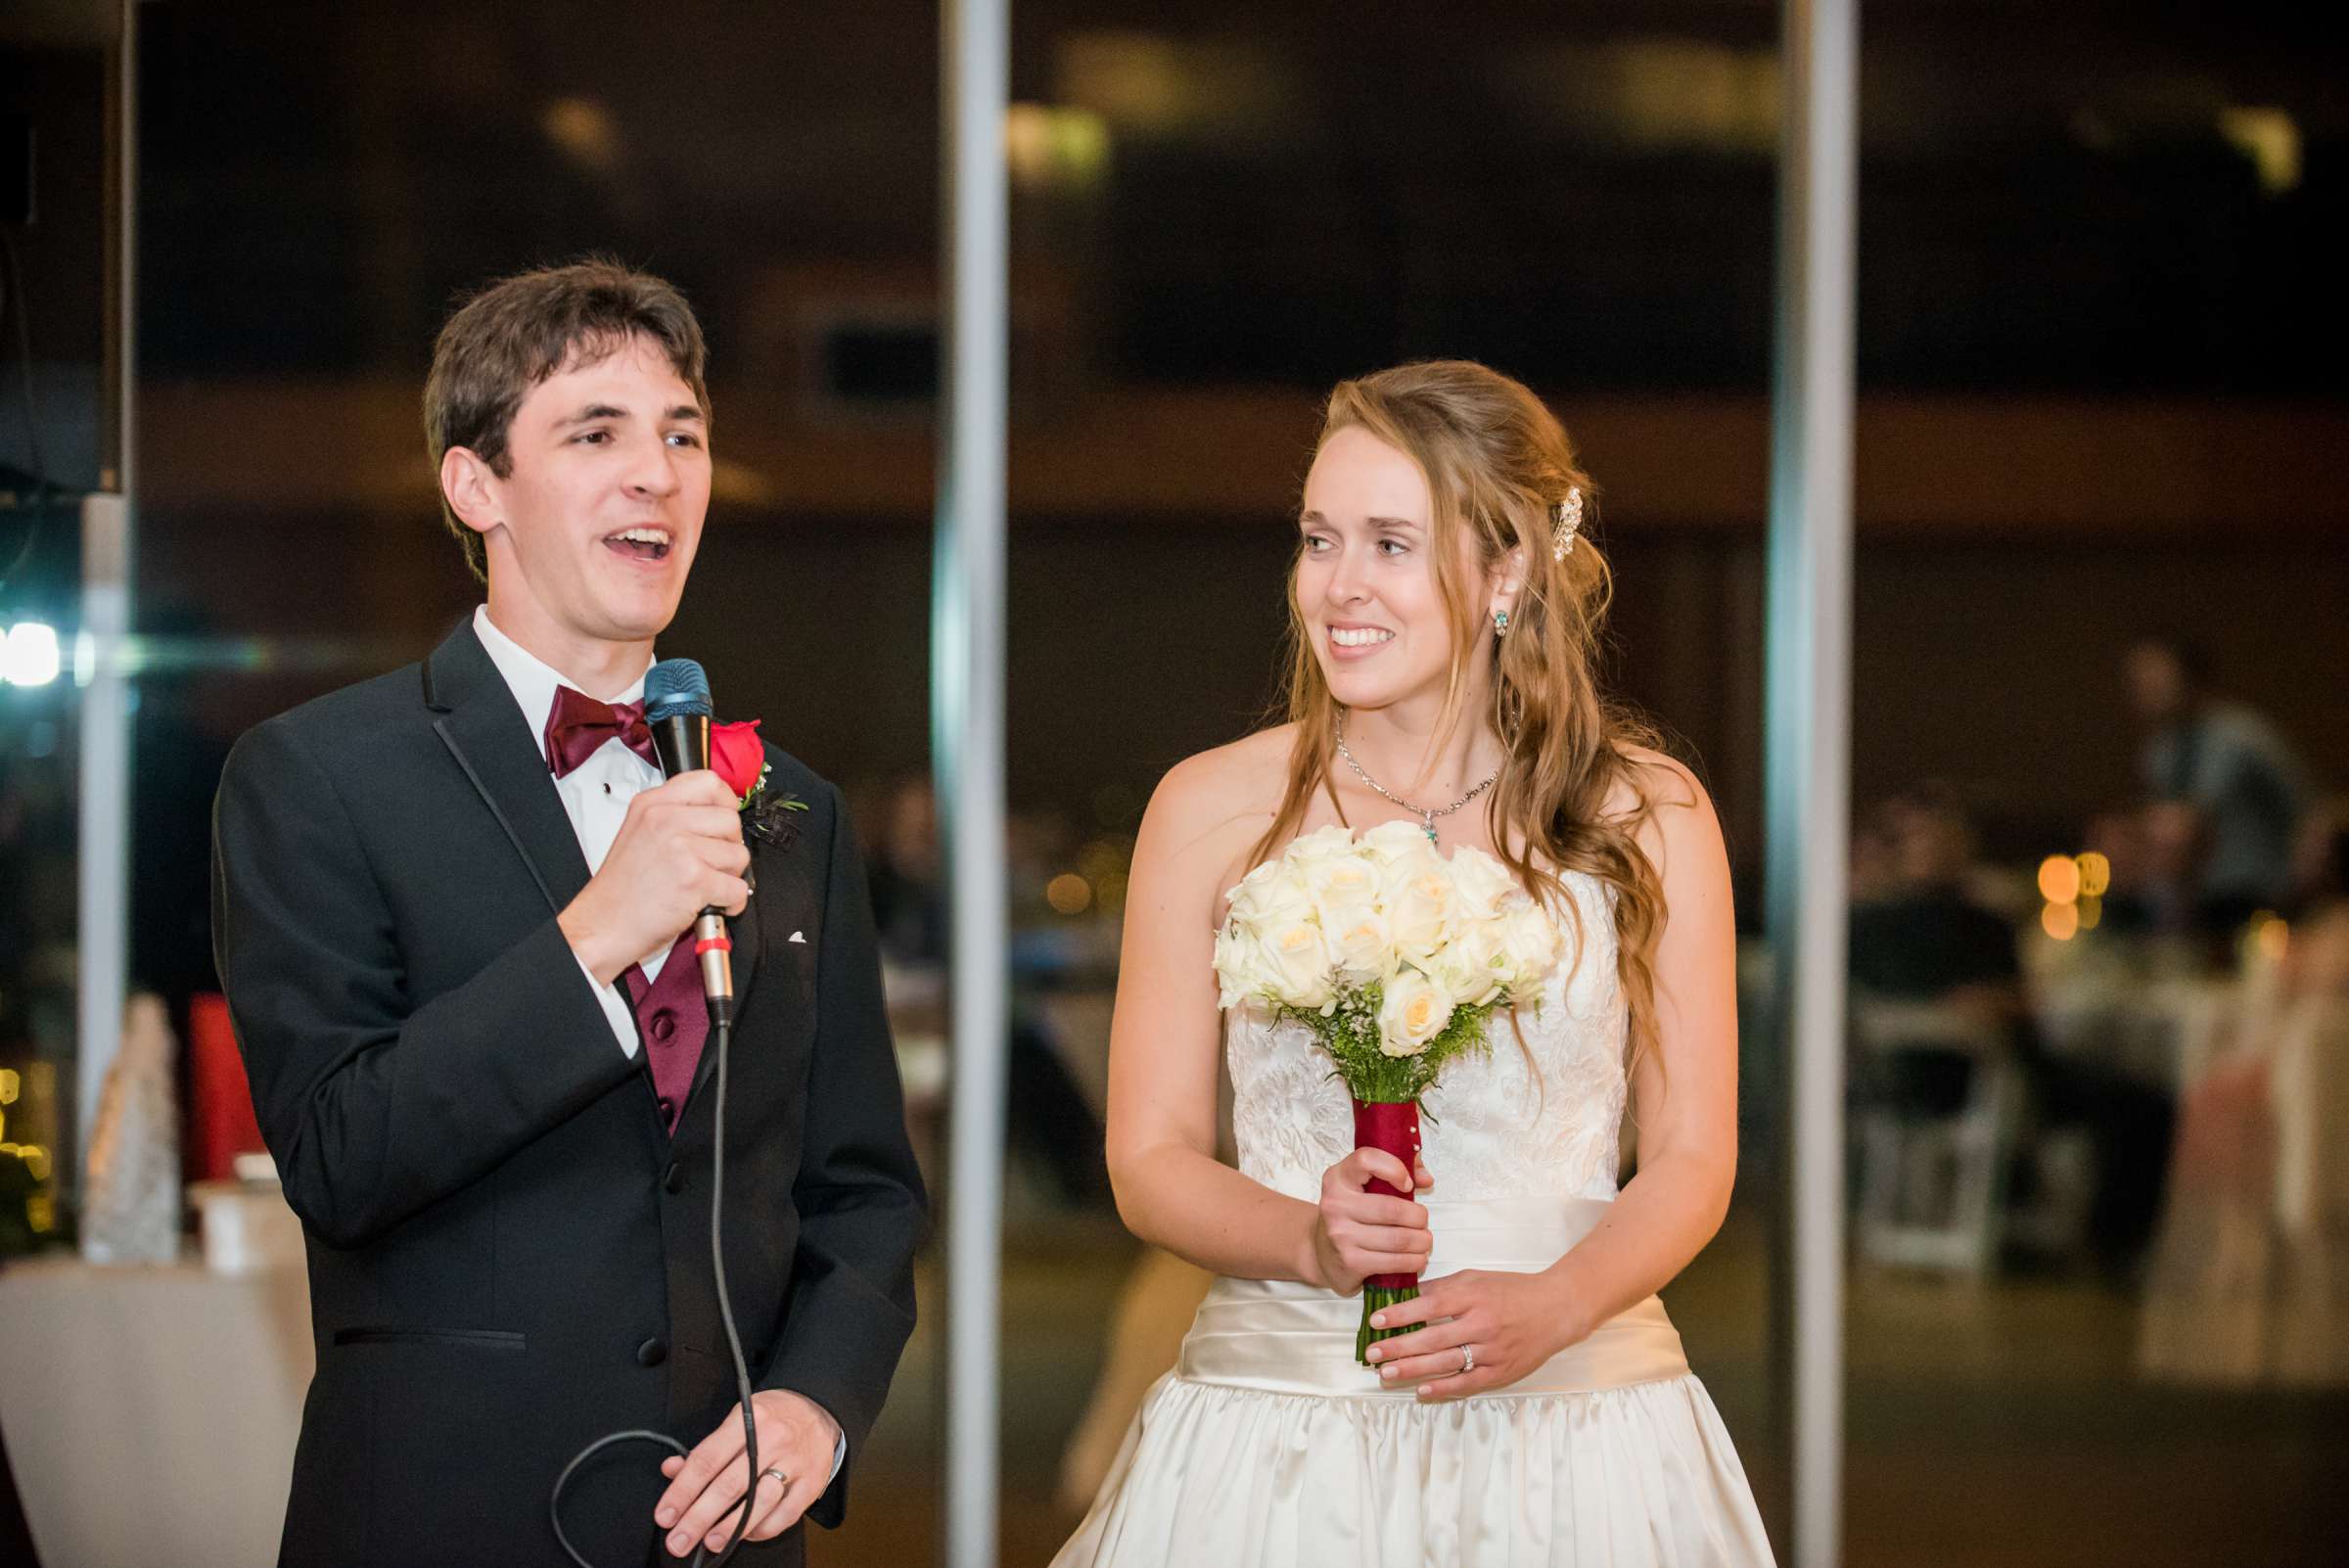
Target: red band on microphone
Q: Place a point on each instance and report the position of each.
(713, 943)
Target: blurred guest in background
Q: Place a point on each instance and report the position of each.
(1052, 1129)
(2227, 791)
(1928, 936)
(2321, 861)
(907, 908)
(1935, 1003)
(1920, 933)
(2246, 1281)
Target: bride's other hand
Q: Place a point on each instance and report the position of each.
(1514, 1322)
(1358, 1233)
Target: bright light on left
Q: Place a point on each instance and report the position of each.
(28, 655)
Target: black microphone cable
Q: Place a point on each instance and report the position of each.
(677, 704)
(719, 1030)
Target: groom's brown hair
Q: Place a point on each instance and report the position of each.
(517, 332)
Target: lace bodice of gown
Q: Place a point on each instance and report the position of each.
(1502, 1122)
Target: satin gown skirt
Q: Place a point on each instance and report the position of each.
(1269, 1445)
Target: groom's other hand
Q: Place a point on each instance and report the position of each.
(679, 852)
(795, 1437)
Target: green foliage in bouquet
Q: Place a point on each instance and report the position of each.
(1350, 1033)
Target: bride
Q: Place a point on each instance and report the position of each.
(1445, 614)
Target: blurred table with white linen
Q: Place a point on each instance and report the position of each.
(151, 1410)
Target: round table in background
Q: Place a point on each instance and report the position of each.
(151, 1410)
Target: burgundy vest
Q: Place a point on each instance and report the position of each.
(672, 1021)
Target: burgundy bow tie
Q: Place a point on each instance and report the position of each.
(577, 725)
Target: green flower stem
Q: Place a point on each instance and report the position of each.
(1377, 1297)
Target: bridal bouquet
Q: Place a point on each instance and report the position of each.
(1396, 958)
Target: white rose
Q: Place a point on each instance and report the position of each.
(1272, 895)
(1390, 843)
(1481, 883)
(1239, 965)
(1411, 1014)
(1309, 850)
(1295, 961)
(1251, 883)
(1530, 940)
(1420, 909)
(1337, 884)
(1360, 941)
(1475, 964)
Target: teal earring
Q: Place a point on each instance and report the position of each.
(1501, 623)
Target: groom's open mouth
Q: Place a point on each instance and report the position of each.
(640, 544)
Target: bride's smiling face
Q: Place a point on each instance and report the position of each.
(1366, 589)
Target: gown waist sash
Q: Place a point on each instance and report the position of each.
(1286, 1337)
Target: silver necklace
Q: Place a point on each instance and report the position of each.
(1426, 815)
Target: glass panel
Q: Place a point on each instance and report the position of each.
(52, 343)
(1215, 222)
(2095, 1003)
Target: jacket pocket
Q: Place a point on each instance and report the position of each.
(484, 1338)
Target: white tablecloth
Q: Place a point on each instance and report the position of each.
(151, 1413)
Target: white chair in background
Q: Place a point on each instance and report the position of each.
(1932, 1188)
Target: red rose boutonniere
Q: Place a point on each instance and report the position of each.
(738, 757)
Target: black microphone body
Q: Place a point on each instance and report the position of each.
(678, 710)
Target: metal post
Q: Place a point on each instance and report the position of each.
(1808, 703)
(967, 697)
(103, 862)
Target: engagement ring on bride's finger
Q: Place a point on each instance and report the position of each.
(1467, 1357)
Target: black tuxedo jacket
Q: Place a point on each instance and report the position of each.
(509, 1256)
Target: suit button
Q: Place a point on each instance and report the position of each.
(672, 1179)
(652, 1352)
(665, 1023)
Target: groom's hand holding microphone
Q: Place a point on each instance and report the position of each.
(679, 852)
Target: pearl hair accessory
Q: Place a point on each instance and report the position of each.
(1566, 521)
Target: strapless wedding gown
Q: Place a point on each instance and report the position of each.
(1269, 1445)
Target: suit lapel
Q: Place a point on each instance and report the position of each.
(749, 931)
(484, 730)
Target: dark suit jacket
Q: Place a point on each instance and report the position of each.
(509, 1256)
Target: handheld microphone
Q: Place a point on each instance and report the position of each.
(677, 709)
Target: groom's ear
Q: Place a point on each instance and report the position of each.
(469, 486)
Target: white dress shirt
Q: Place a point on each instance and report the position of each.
(595, 796)
(595, 793)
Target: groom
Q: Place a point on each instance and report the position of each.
(453, 909)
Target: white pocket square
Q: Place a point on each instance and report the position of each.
(802, 940)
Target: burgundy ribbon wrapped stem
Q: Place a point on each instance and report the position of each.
(1394, 1128)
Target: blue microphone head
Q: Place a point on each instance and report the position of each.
(676, 689)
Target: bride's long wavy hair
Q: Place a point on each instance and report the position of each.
(1498, 465)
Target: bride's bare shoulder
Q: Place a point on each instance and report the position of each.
(1674, 816)
(1655, 782)
(1219, 800)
